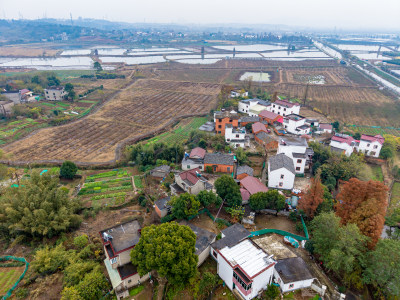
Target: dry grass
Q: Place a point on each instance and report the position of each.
(26, 51)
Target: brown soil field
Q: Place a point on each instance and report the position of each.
(142, 108)
(26, 51)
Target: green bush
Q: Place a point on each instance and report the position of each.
(49, 260)
(81, 241)
(136, 290)
(21, 293)
(167, 218)
(68, 170)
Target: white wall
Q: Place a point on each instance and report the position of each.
(262, 281)
(368, 148)
(291, 125)
(288, 150)
(284, 111)
(274, 179)
(343, 146)
(186, 166)
(229, 136)
(285, 287)
(225, 271)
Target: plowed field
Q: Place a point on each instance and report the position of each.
(141, 109)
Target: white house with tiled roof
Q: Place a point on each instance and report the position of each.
(371, 145)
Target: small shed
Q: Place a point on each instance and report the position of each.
(161, 207)
(292, 274)
(160, 172)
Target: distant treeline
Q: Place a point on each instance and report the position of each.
(104, 76)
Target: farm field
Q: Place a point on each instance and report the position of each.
(375, 130)
(395, 200)
(109, 188)
(144, 107)
(8, 276)
(180, 132)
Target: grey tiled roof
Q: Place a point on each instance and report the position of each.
(203, 237)
(218, 159)
(233, 235)
(293, 269)
(244, 169)
(249, 119)
(294, 141)
(281, 161)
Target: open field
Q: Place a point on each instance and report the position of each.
(142, 108)
(8, 276)
(374, 131)
(21, 51)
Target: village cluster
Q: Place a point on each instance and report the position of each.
(244, 264)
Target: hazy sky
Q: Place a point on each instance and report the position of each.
(313, 13)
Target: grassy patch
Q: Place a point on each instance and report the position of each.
(138, 182)
(377, 173)
(8, 277)
(136, 290)
(395, 200)
(180, 132)
(87, 101)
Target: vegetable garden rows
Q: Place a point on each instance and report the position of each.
(106, 189)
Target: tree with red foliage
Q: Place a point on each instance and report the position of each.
(313, 198)
(363, 203)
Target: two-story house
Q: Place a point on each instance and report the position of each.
(222, 118)
(190, 181)
(118, 241)
(297, 149)
(296, 124)
(220, 162)
(284, 107)
(343, 143)
(193, 160)
(281, 172)
(371, 145)
(239, 93)
(55, 93)
(245, 106)
(236, 137)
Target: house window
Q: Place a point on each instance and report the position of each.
(280, 184)
(298, 168)
(291, 285)
(219, 126)
(229, 169)
(376, 146)
(368, 145)
(237, 135)
(284, 109)
(241, 282)
(282, 176)
(230, 121)
(215, 254)
(200, 167)
(274, 105)
(129, 281)
(219, 131)
(299, 161)
(219, 120)
(188, 166)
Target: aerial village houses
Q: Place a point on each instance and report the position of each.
(281, 172)
(239, 93)
(190, 181)
(160, 172)
(243, 171)
(250, 104)
(236, 137)
(222, 118)
(219, 162)
(296, 124)
(118, 241)
(371, 145)
(250, 185)
(244, 120)
(285, 107)
(162, 207)
(24, 95)
(297, 149)
(325, 128)
(266, 140)
(247, 269)
(194, 160)
(270, 117)
(343, 143)
(55, 93)
(368, 144)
